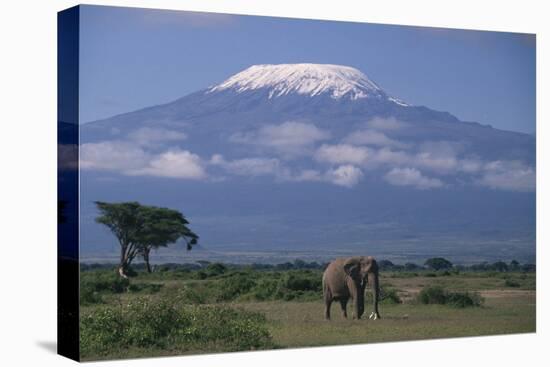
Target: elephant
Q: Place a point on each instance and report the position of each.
(348, 277)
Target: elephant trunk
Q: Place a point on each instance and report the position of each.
(373, 280)
(360, 302)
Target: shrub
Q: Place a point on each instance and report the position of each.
(88, 296)
(201, 275)
(304, 285)
(102, 281)
(159, 324)
(198, 295)
(438, 295)
(233, 287)
(302, 282)
(215, 269)
(149, 288)
(511, 283)
(432, 295)
(265, 289)
(464, 299)
(387, 296)
(438, 263)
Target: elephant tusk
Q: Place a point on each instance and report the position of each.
(373, 316)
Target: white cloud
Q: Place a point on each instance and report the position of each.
(434, 162)
(288, 138)
(390, 157)
(509, 176)
(113, 155)
(470, 165)
(346, 175)
(371, 137)
(411, 177)
(342, 153)
(131, 159)
(175, 164)
(151, 136)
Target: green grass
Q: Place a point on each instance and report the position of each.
(284, 309)
(301, 324)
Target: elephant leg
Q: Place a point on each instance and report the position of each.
(328, 303)
(343, 305)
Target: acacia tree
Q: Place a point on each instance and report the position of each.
(162, 227)
(438, 263)
(139, 228)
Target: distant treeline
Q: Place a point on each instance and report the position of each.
(432, 264)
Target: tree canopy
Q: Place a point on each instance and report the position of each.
(438, 263)
(140, 228)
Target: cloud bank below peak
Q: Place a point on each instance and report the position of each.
(295, 151)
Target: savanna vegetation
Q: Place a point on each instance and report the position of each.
(213, 307)
(133, 310)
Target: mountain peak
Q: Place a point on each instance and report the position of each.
(306, 79)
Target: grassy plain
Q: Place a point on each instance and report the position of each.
(291, 310)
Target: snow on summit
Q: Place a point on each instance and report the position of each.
(305, 79)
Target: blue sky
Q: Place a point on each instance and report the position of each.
(134, 58)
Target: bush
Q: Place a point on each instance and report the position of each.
(150, 325)
(304, 285)
(438, 263)
(302, 281)
(89, 297)
(265, 289)
(199, 293)
(149, 288)
(215, 269)
(432, 295)
(387, 296)
(464, 299)
(102, 282)
(233, 287)
(438, 295)
(511, 283)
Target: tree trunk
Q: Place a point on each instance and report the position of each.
(373, 279)
(123, 266)
(146, 259)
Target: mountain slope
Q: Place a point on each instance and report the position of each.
(329, 138)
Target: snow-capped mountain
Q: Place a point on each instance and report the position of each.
(305, 79)
(331, 157)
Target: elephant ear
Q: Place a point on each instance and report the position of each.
(351, 267)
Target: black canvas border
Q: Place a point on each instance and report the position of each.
(68, 35)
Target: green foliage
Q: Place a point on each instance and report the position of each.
(88, 296)
(438, 263)
(215, 269)
(432, 295)
(438, 295)
(388, 296)
(149, 288)
(201, 275)
(511, 283)
(265, 289)
(146, 324)
(464, 299)
(102, 282)
(233, 287)
(139, 228)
